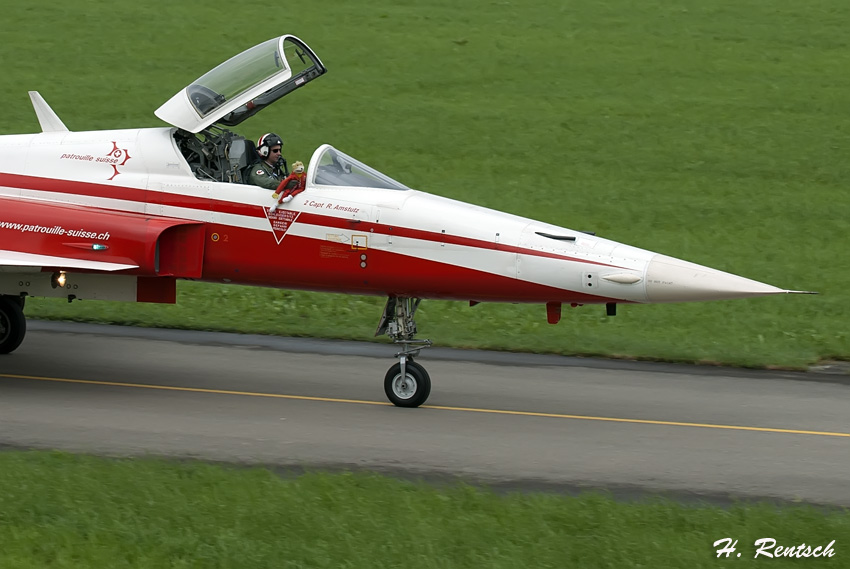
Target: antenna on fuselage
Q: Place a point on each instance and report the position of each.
(47, 118)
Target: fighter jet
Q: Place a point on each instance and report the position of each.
(123, 214)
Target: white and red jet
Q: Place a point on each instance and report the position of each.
(123, 214)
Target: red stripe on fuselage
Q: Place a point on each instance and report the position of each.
(72, 187)
(249, 210)
(128, 194)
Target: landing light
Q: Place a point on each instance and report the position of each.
(58, 280)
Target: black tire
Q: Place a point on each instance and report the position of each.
(13, 324)
(411, 393)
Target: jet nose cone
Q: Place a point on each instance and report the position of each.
(673, 280)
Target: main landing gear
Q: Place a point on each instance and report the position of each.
(406, 384)
(13, 324)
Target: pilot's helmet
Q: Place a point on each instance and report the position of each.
(266, 142)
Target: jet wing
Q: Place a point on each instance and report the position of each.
(30, 260)
(64, 236)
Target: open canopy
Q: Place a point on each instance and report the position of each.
(241, 86)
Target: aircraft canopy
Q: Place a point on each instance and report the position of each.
(243, 85)
(330, 167)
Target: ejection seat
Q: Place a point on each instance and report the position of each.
(243, 154)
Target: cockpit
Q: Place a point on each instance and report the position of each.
(217, 155)
(238, 89)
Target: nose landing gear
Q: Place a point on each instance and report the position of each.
(406, 384)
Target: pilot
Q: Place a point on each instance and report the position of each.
(268, 172)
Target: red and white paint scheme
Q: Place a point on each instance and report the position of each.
(122, 214)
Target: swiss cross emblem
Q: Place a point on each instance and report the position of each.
(280, 221)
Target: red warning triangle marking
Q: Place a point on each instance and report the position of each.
(280, 221)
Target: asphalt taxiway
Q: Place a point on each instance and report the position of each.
(513, 420)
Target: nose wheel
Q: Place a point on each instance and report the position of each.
(406, 384)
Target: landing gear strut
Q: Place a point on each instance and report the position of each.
(13, 324)
(406, 384)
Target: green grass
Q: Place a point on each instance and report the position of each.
(714, 132)
(60, 510)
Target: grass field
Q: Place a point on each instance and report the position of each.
(714, 132)
(59, 510)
